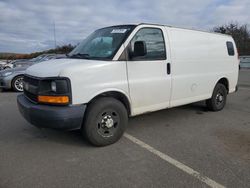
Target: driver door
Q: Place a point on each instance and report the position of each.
(149, 76)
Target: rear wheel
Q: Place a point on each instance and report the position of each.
(219, 97)
(17, 84)
(105, 121)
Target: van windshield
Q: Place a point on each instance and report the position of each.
(102, 44)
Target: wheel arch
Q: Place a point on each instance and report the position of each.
(223, 81)
(117, 94)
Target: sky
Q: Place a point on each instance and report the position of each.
(28, 25)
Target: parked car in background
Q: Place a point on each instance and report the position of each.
(12, 78)
(52, 56)
(2, 63)
(11, 64)
(245, 61)
(28, 62)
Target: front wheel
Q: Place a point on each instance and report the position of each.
(219, 98)
(105, 121)
(17, 84)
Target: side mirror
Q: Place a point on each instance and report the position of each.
(140, 49)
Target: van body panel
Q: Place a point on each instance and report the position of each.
(199, 60)
(88, 82)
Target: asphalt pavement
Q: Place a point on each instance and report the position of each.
(186, 146)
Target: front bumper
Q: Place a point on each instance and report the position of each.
(56, 117)
(5, 82)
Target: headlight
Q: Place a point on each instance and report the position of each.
(54, 91)
(7, 74)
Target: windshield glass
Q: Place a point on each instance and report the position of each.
(103, 43)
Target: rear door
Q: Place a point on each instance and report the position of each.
(149, 76)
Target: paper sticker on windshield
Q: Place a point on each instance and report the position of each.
(119, 31)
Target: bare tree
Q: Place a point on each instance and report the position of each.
(240, 33)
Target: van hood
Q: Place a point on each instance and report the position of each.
(59, 67)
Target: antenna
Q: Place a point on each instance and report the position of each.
(54, 33)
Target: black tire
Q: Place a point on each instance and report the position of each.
(17, 84)
(105, 121)
(219, 98)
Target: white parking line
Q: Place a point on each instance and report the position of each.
(174, 162)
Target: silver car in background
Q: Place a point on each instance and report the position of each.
(26, 62)
(11, 64)
(13, 78)
(245, 61)
(2, 64)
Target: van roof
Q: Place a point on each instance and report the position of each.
(221, 34)
(186, 29)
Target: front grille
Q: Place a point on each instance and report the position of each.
(31, 88)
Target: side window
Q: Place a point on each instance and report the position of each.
(155, 44)
(230, 48)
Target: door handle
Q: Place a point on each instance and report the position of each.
(168, 68)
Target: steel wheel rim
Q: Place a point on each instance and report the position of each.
(219, 99)
(107, 123)
(19, 84)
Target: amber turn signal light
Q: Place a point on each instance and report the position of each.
(54, 99)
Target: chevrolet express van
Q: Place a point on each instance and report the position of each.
(127, 70)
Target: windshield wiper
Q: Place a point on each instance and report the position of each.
(79, 55)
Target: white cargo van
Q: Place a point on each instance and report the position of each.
(127, 70)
